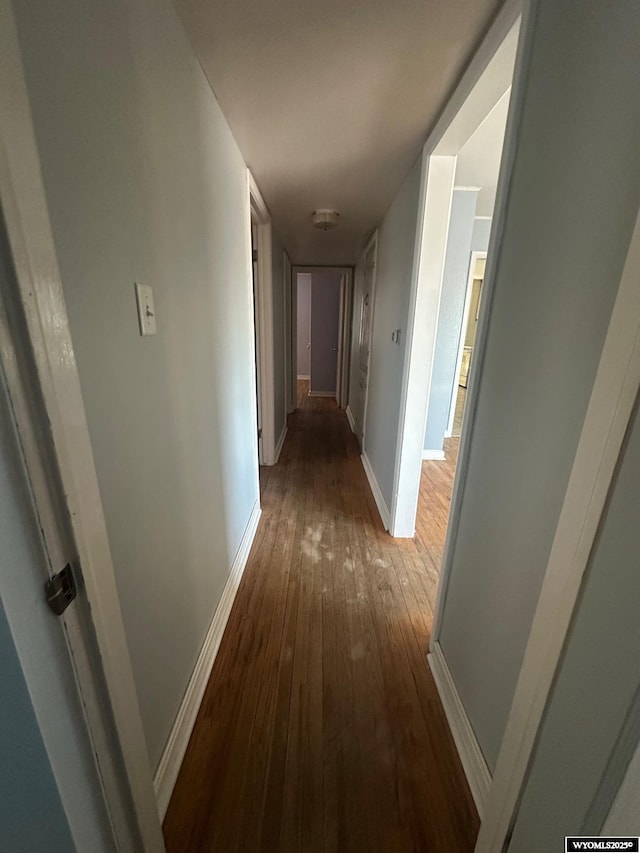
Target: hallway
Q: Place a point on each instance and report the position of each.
(321, 727)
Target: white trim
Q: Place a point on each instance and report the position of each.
(258, 205)
(169, 766)
(265, 341)
(473, 761)
(376, 491)
(475, 256)
(434, 455)
(350, 418)
(39, 290)
(323, 394)
(279, 445)
(303, 376)
(615, 391)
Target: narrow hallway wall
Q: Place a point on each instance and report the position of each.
(396, 245)
(145, 183)
(572, 204)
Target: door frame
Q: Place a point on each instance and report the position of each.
(475, 256)
(456, 124)
(38, 294)
(344, 329)
(265, 359)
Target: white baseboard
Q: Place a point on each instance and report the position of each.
(351, 419)
(383, 509)
(166, 773)
(437, 455)
(473, 761)
(303, 376)
(283, 435)
(322, 394)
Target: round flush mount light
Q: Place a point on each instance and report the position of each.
(325, 218)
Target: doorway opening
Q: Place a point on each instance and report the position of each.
(322, 297)
(464, 178)
(468, 332)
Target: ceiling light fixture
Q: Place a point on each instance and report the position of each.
(325, 218)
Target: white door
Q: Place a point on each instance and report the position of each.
(364, 349)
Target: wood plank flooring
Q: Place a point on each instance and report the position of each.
(321, 728)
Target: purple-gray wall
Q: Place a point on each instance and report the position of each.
(325, 311)
(304, 323)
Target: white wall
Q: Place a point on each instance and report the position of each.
(570, 209)
(450, 315)
(396, 244)
(481, 232)
(144, 182)
(591, 727)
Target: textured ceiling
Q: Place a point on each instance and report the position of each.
(330, 102)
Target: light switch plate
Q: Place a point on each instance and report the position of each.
(146, 309)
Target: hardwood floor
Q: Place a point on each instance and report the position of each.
(434, 500)
(321, 728)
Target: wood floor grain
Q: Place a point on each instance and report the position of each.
(321, 728)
